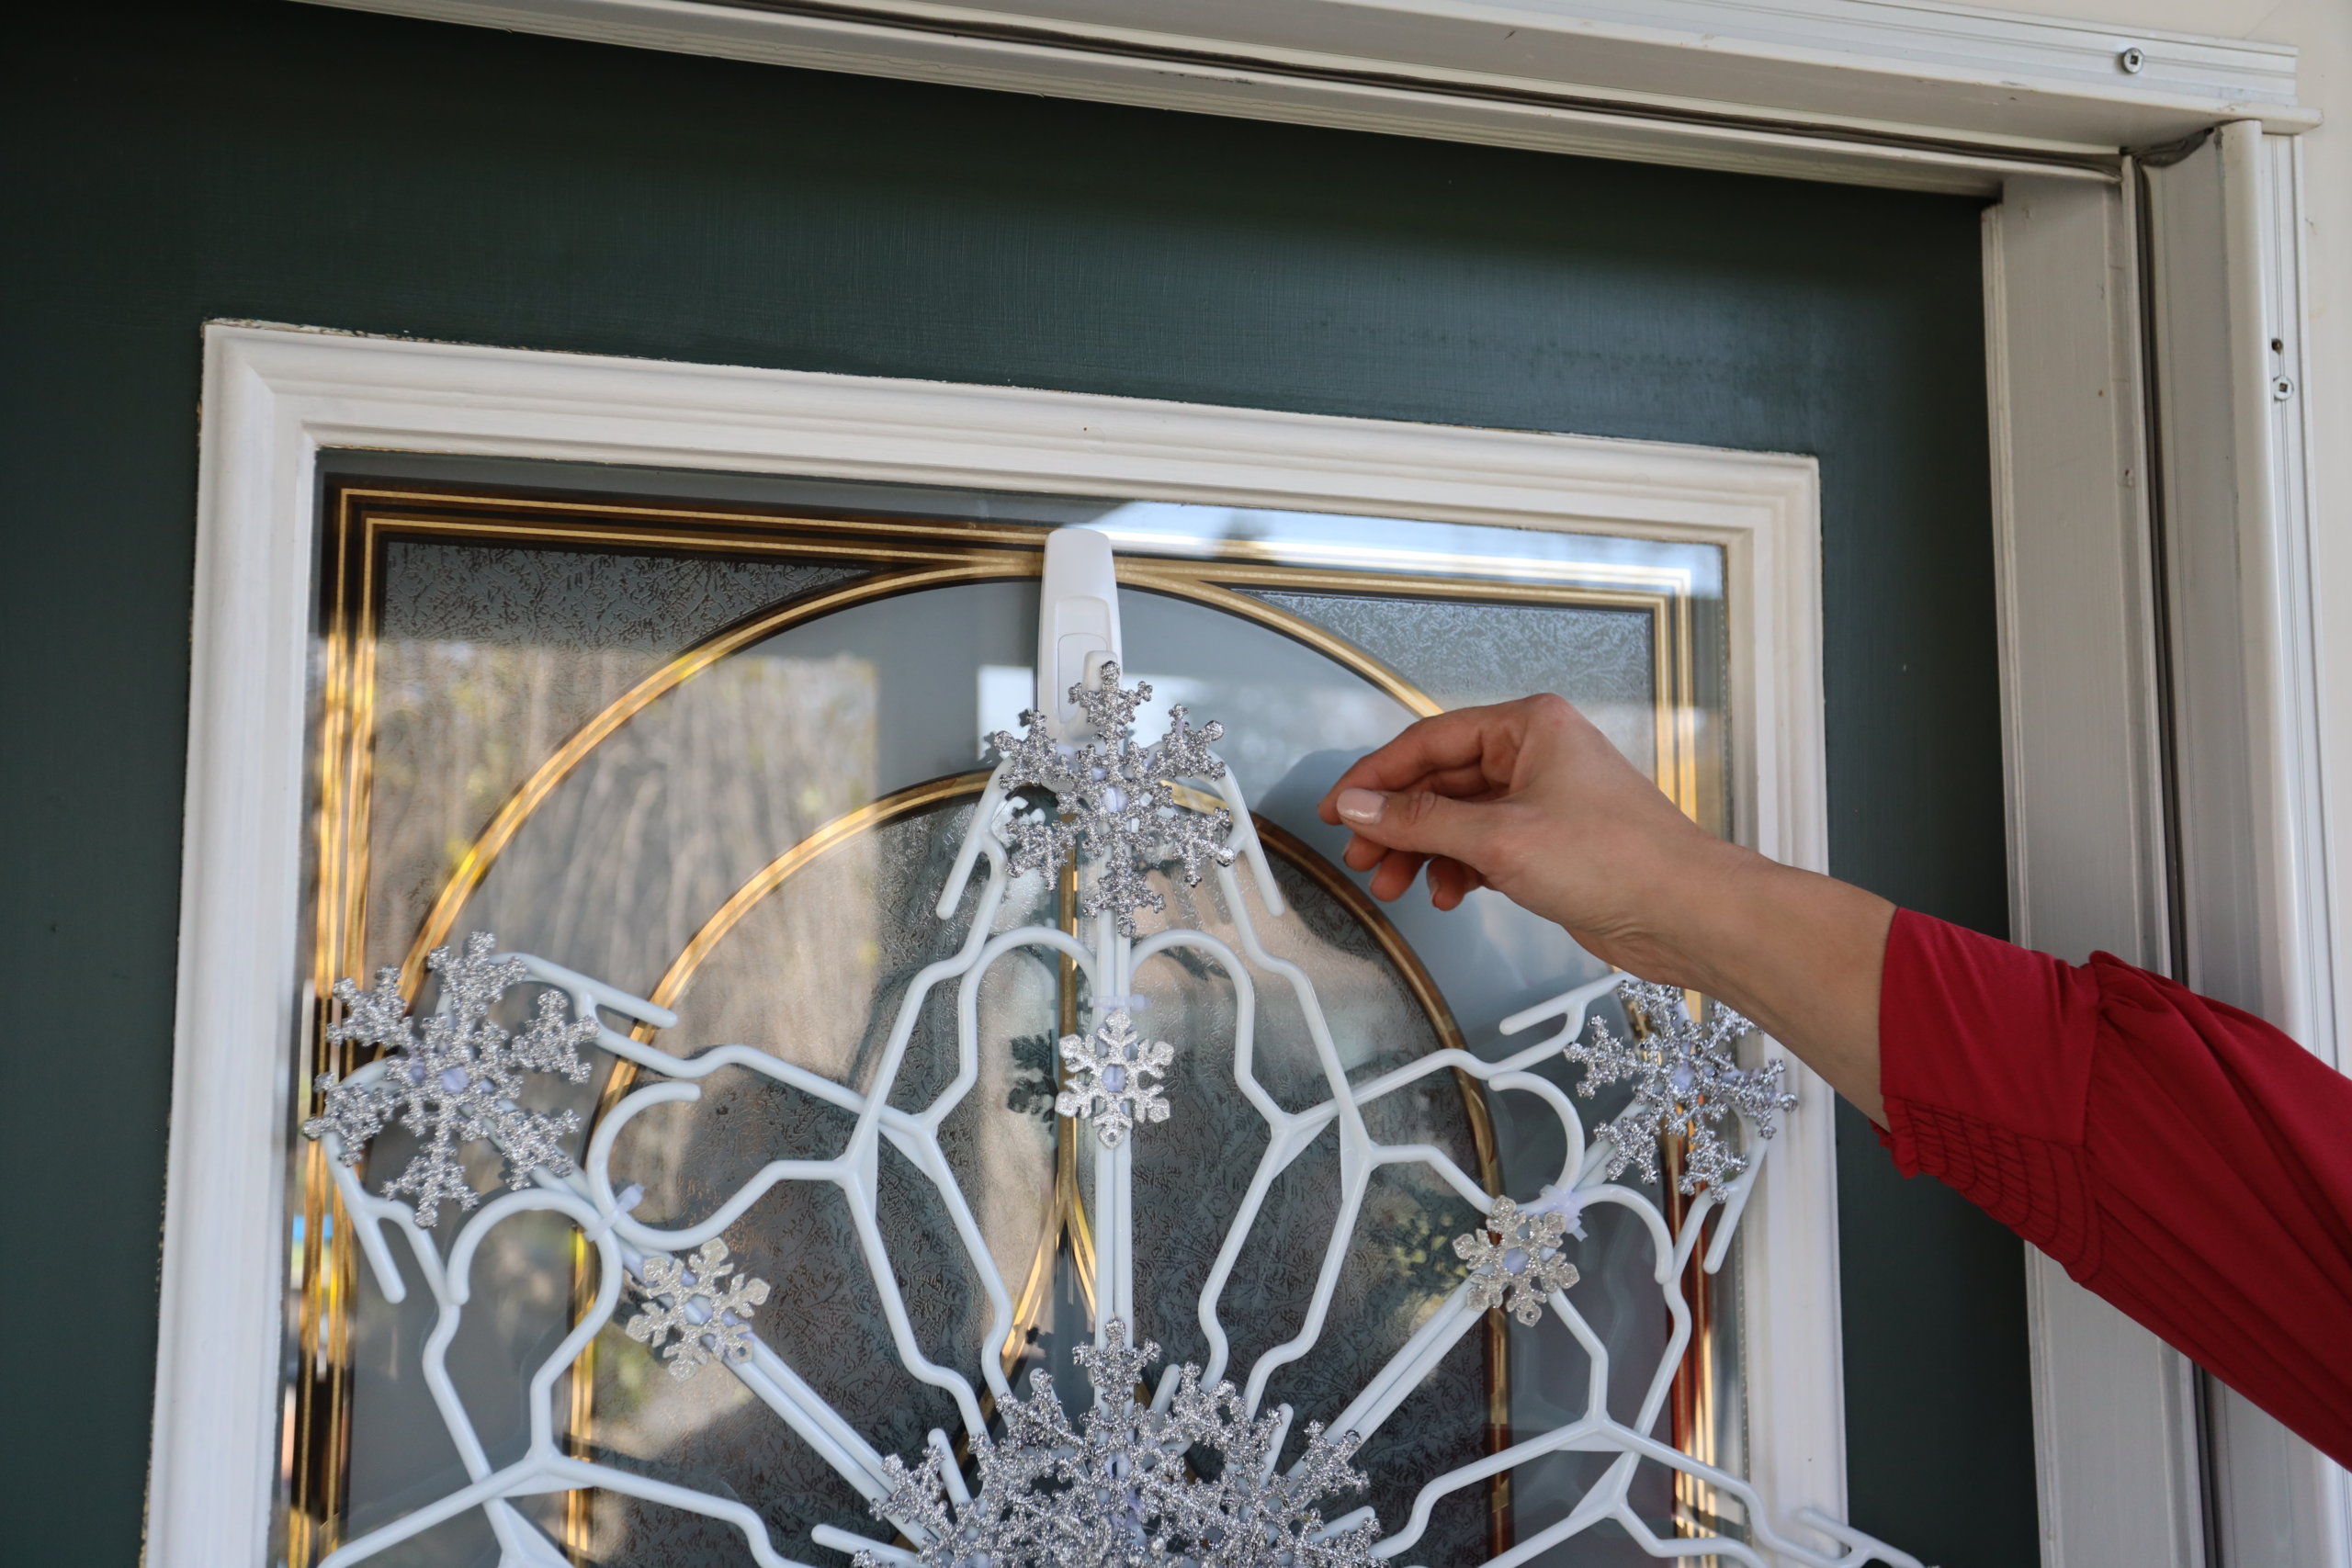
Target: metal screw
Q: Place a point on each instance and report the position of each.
(2133, 60)
(2283, 387)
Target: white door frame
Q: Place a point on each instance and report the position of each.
(2111, 811)
(276, 398)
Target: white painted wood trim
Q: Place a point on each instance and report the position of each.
(2074, 596)
(274, 398)
(2115, 1442)
(2228, 244)
(1854, 68)
(2225, 244)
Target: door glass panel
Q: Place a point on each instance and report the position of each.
(723, 759)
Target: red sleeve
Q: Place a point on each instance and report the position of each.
(2183, 1159)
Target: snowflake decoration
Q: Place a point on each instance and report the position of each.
(1685, 1082)
(456, 1080)
(1109, 1068)
(1515, 1259)
(1116, 1489)
(710, 1319)
(1116, 797)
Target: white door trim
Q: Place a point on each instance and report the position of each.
(2115, 1433)
(1863, 69)
(2256, 925)
(274, 398)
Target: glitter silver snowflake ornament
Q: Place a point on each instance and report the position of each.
(696, 1300)
(1516, 1259)
(455, 1079)
(1685, 1082)
(1111, 1084)
(1115, 799)
(1118, 1488)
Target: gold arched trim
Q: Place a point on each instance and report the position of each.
(1669, 607)
(866, 818)
(474, 864)
(981, 566)
(840, 830)
(1180, 583)
(1067, 1210)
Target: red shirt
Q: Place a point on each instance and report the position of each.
(2182, 1159)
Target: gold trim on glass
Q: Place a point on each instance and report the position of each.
(907, 556)
(475, 863)
(1668, 605)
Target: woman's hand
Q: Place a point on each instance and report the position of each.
(1529, 800)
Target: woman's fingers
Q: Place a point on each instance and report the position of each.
(1438, 794)
(1461, 749)
(1451, 882)
(1414, 826)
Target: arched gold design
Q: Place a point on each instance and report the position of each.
(981, 566)
(1203, 583)
(906, 802)
(1068, 1214)
(474, 864)
(1179, 582)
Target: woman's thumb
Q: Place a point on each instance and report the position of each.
(1415, 822)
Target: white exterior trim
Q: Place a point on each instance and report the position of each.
(274, 398)
(1869, 68)
(2257, 921)
(2115, 1435)
(1384, 97)
(2117, 1439)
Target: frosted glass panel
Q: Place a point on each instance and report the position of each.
(1466, 653)
(489, 657)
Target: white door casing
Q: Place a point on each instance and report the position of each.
(276, 398)
(2255, 927)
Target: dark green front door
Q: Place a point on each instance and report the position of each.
(291, 163)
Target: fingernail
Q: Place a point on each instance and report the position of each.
(1362, 805)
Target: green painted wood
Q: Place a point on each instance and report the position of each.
(269, 160)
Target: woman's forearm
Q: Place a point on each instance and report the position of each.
(1799, 953)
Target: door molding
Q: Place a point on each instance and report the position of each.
(276, 398)
(1683, 77)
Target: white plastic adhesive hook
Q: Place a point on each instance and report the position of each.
(1078, 621)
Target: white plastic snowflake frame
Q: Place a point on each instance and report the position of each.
(586, 1196)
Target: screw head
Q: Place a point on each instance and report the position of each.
(2283, 387)
(2133, 61)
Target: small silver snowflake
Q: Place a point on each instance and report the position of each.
(1515, 1259)
(1115, 798)
(696, 1300)
(1110, 1070)
(1685, 1083)
(457, 1079)
(1115, 1489)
